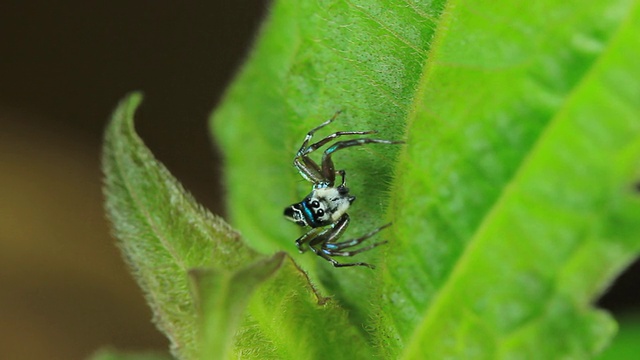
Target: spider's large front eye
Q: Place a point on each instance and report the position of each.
(320, 212)
(315, 204)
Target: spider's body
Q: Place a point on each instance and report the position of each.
(325, 208)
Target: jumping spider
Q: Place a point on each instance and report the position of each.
(327, 204)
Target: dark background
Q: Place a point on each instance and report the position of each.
(64, 290)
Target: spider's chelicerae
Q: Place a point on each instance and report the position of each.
(325, 208)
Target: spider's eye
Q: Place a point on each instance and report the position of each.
(320, 212)
(315, 204)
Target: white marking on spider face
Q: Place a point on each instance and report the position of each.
(332, 203)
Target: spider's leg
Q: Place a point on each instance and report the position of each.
(353, 252)
(342, 174)
(332, 233)
(309, 170)
(328, 169)
(338, 264)
(327, 257)
(310, 236)
(334, 247)
(315, 146)
(318, 245)
(307, 138)
(306, 166)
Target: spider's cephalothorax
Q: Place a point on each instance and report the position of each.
(325, 208)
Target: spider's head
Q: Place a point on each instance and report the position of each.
(320, 208)
(309, 212)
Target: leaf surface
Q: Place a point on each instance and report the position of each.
(222, 297)
(364, 57)
(512, 201)
(527, 184)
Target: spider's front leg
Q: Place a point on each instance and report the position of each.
(333, 248)
(343, 175)
(308, 168)
(309, 236)
(328, 169)
(324, 244)
(321, 235)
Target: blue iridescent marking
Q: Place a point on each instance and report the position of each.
(308, 214)
(331, 149)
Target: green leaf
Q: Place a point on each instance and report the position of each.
(364, 57)
(285, 313)
(163, 232)
(513, 201)
(527, 185)
(288, 319)
(222, 297)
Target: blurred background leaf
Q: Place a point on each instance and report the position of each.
(66, 289)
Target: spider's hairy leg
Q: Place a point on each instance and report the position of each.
(328, 169)
(307, 138)
(339, 264)
(343, 175)
(335, 247)
(324, 244)
(309, 169)
(310, 236)
(315, 146)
